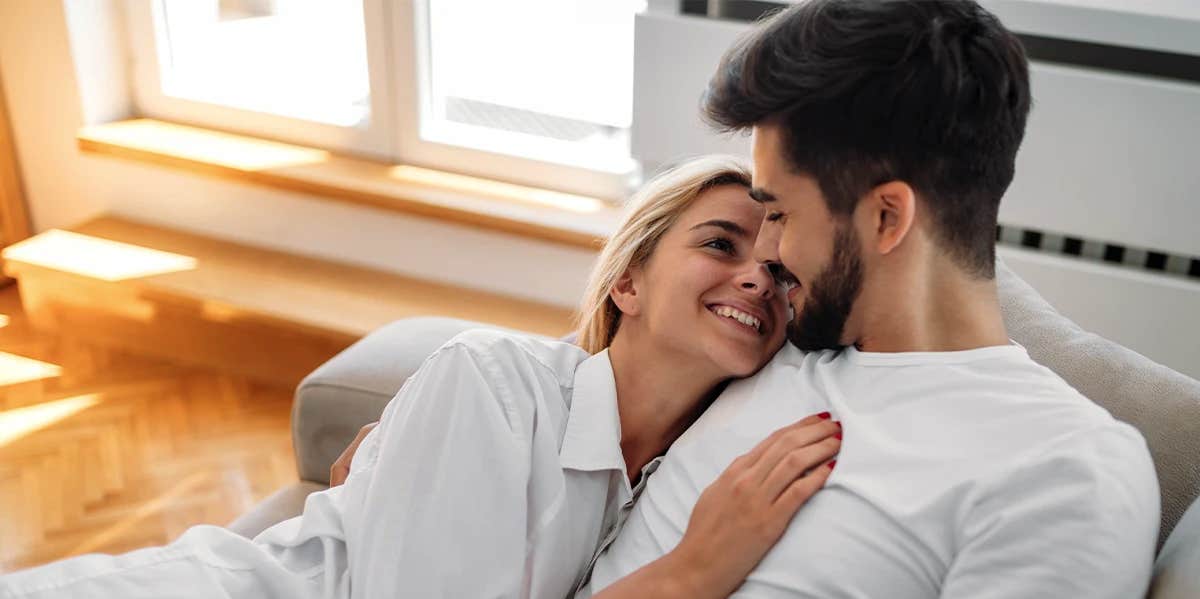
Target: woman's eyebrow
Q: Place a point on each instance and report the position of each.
(727, 225)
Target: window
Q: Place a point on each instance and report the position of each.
(306, 60)
(549, 79)
(537, 92)
(312, 72)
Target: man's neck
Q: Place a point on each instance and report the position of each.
(928, 306)
(657, 398)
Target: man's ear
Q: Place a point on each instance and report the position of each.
(624, 292)
(893, 211)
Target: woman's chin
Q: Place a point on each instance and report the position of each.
(738, 363)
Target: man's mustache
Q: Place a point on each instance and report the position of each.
(782, 275)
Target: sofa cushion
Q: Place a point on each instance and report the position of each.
(1161, 403)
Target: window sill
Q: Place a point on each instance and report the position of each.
(555, 217)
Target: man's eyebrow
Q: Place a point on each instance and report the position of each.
(727, 225)
(761, 195)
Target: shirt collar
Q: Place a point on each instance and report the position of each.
(592, 440)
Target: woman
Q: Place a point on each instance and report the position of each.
(505, 463)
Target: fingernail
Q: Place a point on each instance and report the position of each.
(838, 423)
(837, 436)
(824, 415)
(831, 464)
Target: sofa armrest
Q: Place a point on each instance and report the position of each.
(352, 388)
(1177, 569)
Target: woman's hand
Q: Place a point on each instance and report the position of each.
(341, 467)
(742, 514)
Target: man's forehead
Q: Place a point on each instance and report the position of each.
(763, 182)
(769, 168)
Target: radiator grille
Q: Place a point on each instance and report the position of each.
(1100, 251)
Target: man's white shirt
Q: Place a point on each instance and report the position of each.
(973, 474)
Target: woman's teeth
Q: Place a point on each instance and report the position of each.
(737, 315)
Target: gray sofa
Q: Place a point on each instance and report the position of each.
(352, 388)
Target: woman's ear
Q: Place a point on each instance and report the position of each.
(624, 292)
(895, 206)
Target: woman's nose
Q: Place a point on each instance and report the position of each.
(758, 281)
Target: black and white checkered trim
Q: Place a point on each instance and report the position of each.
(1099, 251)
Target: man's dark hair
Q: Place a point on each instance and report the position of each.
(934, 93)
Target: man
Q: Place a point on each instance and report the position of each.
(884, 135)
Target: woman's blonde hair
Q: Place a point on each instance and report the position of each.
(652, 211)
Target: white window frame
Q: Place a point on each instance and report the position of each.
(374, 139)
(398, 68)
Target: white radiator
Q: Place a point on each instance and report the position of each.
(1109, 170)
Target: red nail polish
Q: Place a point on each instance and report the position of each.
(837, 436)
(824, 415)
(831, 464)
(838, 423)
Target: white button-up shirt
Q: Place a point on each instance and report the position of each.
(496, 471)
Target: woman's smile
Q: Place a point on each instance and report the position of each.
(744, 318)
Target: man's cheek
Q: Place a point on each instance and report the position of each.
(793, 260)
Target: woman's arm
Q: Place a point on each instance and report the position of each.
(442, 510)
(741, 515)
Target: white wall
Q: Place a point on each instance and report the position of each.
(64, 187)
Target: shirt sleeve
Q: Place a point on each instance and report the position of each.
(441, 510)
(1080, 520)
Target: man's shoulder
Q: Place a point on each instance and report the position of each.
(1050, 397)
(1105, 444)
(1102, 475)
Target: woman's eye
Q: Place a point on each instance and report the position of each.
(722, 245)
(774, 216)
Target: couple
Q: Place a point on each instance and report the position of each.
(885, 134)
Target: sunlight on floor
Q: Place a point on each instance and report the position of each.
(17, 369)
(3, 321)
(20, 422)
(95, 257)
(154, 507)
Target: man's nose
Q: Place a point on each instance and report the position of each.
(766, 247)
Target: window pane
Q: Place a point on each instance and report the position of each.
(549, 79)
(299, 58)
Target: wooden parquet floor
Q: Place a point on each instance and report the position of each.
(109, 451)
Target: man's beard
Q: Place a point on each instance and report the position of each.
(830, 297)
